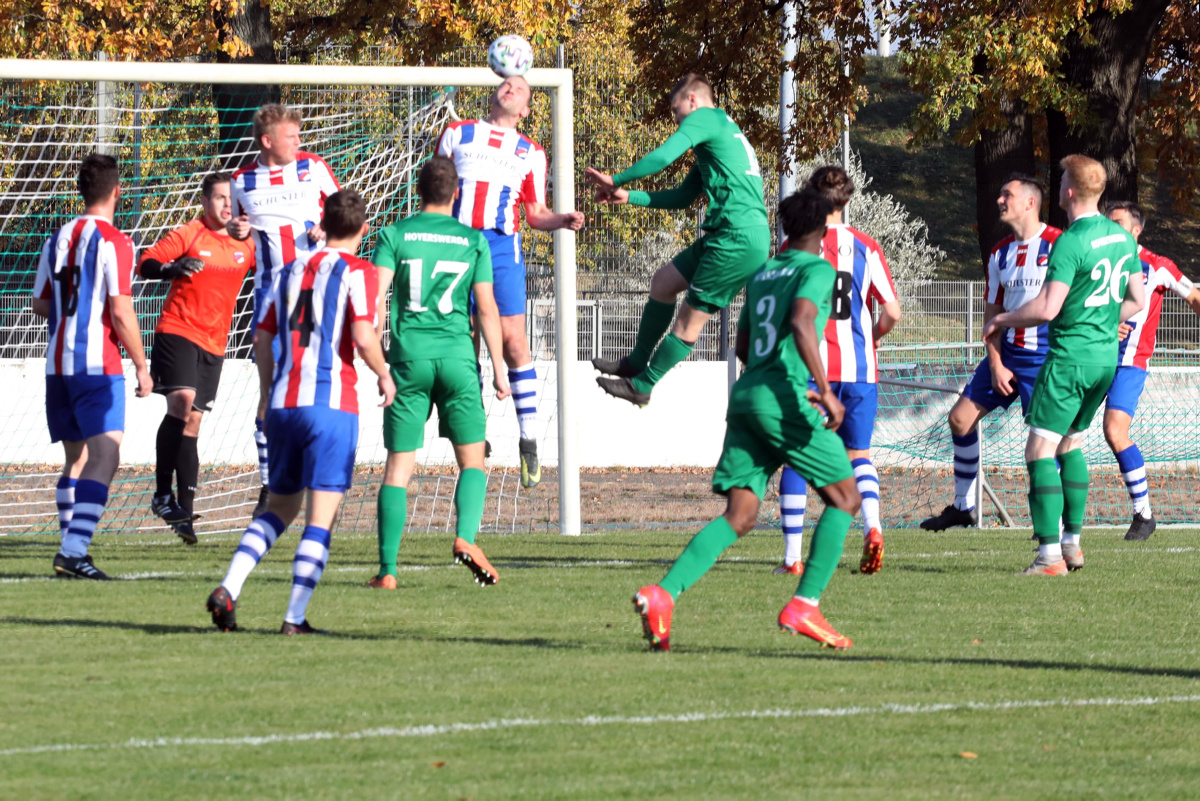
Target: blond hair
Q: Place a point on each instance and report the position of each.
(1087, 176)
(270, 115)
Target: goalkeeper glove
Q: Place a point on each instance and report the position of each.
(187, 265)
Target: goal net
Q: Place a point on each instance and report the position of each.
(168, 127)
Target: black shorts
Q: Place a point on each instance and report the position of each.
(178, 363)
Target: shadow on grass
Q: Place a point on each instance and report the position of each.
(148, 628)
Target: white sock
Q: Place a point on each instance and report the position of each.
(1070, 539)
(523, 381)
(1053, 552)
(793, 499)
(260, 442)
(64, 498)
(90, 499)
(867, 479)
(260, 535)
(966, 469)
(312, 553)
(812, 601)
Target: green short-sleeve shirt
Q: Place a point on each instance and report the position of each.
(775, 380)
(1094, 258)
(435, 261)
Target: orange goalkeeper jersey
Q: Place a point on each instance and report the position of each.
(200, 307)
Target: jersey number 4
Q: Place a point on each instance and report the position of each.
(445, 304)
(302, 318)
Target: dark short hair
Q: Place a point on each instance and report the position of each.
(693, 82)
(1029, 182)
(345, 213)
(437, 181)
(834, 183)
(98, 176)
(211, 180)
(1135, 211)
(804, 212)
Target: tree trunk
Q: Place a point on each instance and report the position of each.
(1109, 72)
(998, 154)
(236, 103)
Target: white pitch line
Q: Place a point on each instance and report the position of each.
(436, 730)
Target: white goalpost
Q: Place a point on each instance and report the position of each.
(21, 161)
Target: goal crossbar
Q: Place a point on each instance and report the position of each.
(560, 86)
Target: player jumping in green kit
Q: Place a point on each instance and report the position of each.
(772, 421)
(713, 270)
(437, 263)
(1093, 283)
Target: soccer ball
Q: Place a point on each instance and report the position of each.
(510, 55)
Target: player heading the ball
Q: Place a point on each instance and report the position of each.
(1093, 283)
(773, 421)
(1016, 269)
(321, 308)
(82, 288)
(1138, 335)
(500, 168)
(715, 267)
(434, 265)
(206, 268)
(277, 202)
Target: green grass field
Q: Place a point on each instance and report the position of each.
(1086, 685)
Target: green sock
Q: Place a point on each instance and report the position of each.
(468, 503)
(824, 551)
(393, 510)
(670, 352)
(1045, 500)
(656, 319)
(700, 555)
(1075, 489)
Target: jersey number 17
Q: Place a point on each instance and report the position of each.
(416, 271)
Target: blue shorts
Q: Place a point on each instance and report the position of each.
(508, 273)
(82, 406)
(311, 447)
(1126, 389)
(861, 400)
(1025, 370)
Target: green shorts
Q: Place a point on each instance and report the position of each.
(1066, 396)
(451, 384)
(720, 263)
(756, 446)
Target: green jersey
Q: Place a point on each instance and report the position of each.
(1094, 258)
(726, 171)
(776, 379)
(435, 260)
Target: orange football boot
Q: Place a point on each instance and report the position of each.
(655, 606)
(794, 569)
(470, 555)
(872, 557)
(800, 617)
(384, 582)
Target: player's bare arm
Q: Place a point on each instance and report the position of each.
(808, 344)
(1003, 380)
(489, 324)
(239, 227)
(385, 284)
(543, 219)
(369, 348)
(1042, 309)
(889, 316)
(125, 324)
(1135, 296)
(40, 306)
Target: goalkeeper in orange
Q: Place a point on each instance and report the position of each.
(207, 268)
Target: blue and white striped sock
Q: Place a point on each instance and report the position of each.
(64, 498)
(966, 469)
(260, 442)
(1133, 470)
(867, 479)
(793, 499)
(90, 497)
(259, 537)
(312, 552)
(523, 381)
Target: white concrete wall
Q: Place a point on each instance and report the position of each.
(684, 425)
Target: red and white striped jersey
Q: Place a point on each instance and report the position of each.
(497, 169)
(1015, 272)
(1161, 274)
(863, 279)
(313, 303)
(282, 204)
(83, 264)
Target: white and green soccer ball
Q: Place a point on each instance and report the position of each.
(510, 55)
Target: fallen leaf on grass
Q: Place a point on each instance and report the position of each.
(968, 755)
